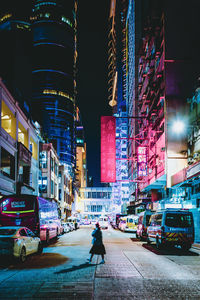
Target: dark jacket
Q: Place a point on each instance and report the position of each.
(97, 237)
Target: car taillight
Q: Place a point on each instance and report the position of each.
(43, 227)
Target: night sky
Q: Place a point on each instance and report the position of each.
(92, 76)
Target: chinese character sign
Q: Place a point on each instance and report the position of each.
(142, 161)
(108, 149)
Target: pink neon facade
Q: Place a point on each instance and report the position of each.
(108, 149)
(151, 98)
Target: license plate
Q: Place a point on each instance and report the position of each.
(18, 222)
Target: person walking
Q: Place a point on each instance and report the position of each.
(97, 244)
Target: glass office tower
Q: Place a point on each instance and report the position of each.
(54, 73)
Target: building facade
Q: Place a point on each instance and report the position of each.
(94, 202)
(19, 148)
(166, 69)
(117, 98)
(49, 165)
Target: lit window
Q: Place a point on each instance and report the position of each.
(8, 121)
(5, 17)
(64, 19)
(34, 148)
(22, 135)
(43, 160)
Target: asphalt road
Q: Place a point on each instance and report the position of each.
(132, 270)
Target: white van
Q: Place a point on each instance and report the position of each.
(103, 222)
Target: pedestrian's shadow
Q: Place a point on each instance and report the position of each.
(75, 268)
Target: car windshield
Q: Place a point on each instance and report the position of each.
(179, 220)
(7, 231)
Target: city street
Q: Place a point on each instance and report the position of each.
(132, 270)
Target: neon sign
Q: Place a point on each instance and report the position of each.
(142, 161)
(108, 149)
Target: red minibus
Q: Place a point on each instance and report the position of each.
(36, 213)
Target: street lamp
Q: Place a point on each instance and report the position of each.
(178, 126)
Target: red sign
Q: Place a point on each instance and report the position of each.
(108, 149)
(142, 161)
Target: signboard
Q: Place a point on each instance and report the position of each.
(193, 170)
(108, 149)
(142, 161)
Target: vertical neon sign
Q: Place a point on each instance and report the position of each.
(108, 149)
(142, 161)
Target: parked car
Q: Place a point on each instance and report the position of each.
(143, 223)
(19, 242)
(122, 223)
(171, 227)
(131, 223)
(86, 222)
(71, 226)
(75, 221)
(66, 227)
(103, 222)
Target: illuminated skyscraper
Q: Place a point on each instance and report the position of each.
(54, 74)
(117, 98)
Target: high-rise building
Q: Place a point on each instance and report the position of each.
(134, 23)
(167, 68)
(54, 74)
(117, 98)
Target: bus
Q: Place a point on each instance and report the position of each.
(38, 214)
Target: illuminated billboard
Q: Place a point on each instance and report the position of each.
(108, 149)
(142, 161)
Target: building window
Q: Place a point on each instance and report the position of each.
(8, 121)
(22, 135)
(56, 169)
(52, 187)
(7, 164)
(43, 160)
(52, 164)
(43, 185)
(93, 208)
(56, 190)
(99, 208)
(34, 148)
(94, 195)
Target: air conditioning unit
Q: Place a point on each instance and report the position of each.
(196, 133)
(196, 155)
(190, 160)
